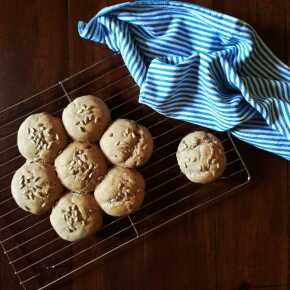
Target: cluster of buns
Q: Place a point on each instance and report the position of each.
(84, 165)
(67, 171)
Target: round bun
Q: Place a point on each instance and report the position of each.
(35, 187)
(121, 192)
(76, 216)
(41, 137)
(80, 167)
(200, 156)
(86, 118)
(127, 144)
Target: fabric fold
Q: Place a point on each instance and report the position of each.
(200, 66)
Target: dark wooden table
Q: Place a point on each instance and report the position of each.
(244, 238)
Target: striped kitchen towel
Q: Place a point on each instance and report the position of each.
(200, 66)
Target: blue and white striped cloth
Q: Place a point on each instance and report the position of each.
(200, 66)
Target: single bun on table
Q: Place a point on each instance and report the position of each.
(41, 137)
(127, 144)
(86, 118)
(81, 166)
(121, 192)
(201, 157)
(35, 187)
(76, 216)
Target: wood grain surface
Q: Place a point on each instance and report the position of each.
(244, 239)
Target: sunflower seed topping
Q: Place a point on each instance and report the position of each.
(81, 165)
(41, 136)
(73, 217)
(86, 116)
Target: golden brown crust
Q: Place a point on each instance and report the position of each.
(200, 156)
(76, 216)
(121, 192)
(35, 187)
(86, 118)
(41, 137)
(127, 144)
(81, 166)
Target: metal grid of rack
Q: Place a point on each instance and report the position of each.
(38, 257)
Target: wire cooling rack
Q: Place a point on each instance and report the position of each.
(38, 257)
